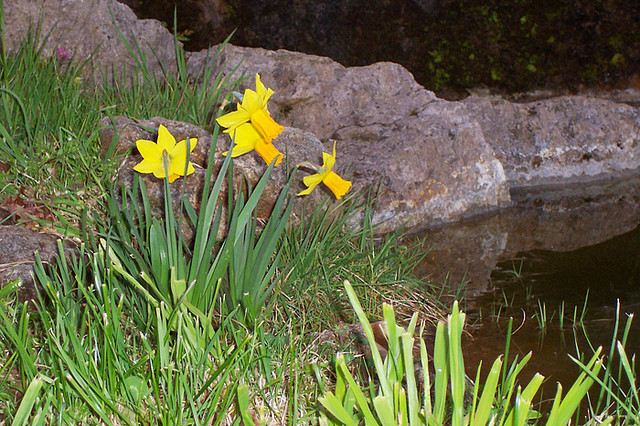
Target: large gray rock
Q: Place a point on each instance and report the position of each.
(560, 139)
(429, 157)
(298, 146)
(89, 30)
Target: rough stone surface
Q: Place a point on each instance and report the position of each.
(88, 29)
(298, 146)
(429, 157)
(559, 139)
(17, 256)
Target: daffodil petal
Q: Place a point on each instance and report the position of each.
(314, 179)
(173, 177)
(177, 168)
(159, 173)
(148, 149)
(241, 149)
(177, 165)
(234, 119)
(192, 143)
(307, 191)
(336, 184)
(265, 125)
(246, 137)
(263, 93)
(328, 161)
(251, 102)
(166, 141)
(180, 150)
(149, 165)
(311, 183)
(260, 87)
(268, 152)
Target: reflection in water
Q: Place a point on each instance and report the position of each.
(559, 221)
(608, 271)
(539, 261)
(537, 288)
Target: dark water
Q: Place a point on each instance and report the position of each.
(572, 252)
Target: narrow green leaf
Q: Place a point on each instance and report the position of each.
(361, 399)
(333, 405)
(368, 331)
(481, 415)
(382, 405)
(441, 366)
(28, 401)
(412, 390)
(628, 371)
(243, 405)
(454, 332)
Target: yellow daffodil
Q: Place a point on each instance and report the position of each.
(335, 183)
(165, 153)
(252, 126)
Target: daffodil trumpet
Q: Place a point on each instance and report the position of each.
(247, 138)
(324, 174)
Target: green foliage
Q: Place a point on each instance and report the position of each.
(141, 328)
(47, 123)
(327, 247)
(619, 393)
(398, 398)
(525, 46)
(83, 360)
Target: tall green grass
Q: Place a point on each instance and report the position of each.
(154, 257)
(325, 249)
(79, 356)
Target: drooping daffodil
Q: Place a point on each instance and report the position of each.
(165, 158)
(251, 125)
(335, 183)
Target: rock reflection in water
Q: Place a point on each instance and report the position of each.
(558, 219)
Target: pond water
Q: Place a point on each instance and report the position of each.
(570, 252)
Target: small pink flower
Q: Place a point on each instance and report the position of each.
(63, 54)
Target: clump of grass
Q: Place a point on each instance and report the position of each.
(619, 392)
(153, 256)
(80, 357)
(325, 249)
(442, 396)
